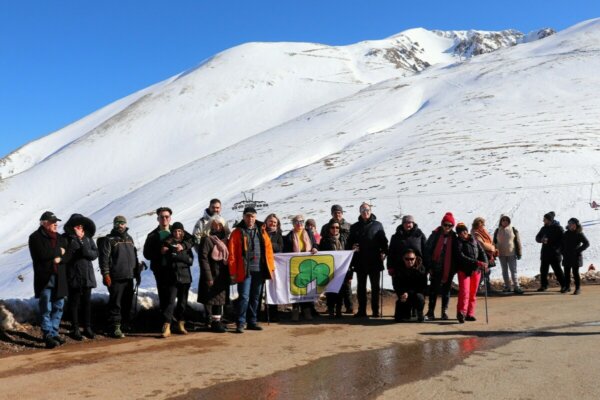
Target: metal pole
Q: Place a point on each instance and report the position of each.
(487, 321)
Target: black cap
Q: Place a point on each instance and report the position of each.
(49, 216)
(177, 225)
(249, 210)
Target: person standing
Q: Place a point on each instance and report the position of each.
(176, 278)
(471, 260)
(200, 229)
(508, 243)
(574, 243)
(367, 238)
(311, 225)
(82, 250)
(273, 227)
(407, 236)
(337, 216)
(410, 282)
(47, 249)
(440, 259)
(214, 278)
(480, 233)
(118, 260)
(333, 242)
(550, 236)
(250, 261)
(300, 240)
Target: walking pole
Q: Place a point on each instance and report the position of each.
(267, 305)
(381, 296)
(486, 296)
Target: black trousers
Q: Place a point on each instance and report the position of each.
(361, 290)
(544, 268)
(177, 302)
(80, 303)
(576, 276)
(404, 309)
(335, 300)
(120, 295)
(437, 288)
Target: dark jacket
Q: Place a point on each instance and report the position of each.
(469, 252)
(551, 250)
(573, 244)
(80, 271)
(43, 255)
(178, 265)
(153, 244)
(276, 241)
(410, 280)
(212, 270)
(344, 230)
(371, 239)
(117, 255)
(430, 249)
(401, 240)
(288, 243)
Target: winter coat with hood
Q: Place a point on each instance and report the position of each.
(43, 253)
(469, 252)
(199, 230)
(573, 244)
(372, 242)
(551, 249)
(238, 247)
(80, 271)
(401, 241)
(518, 248)
(117, 255)
(153, 244)
(179, 263)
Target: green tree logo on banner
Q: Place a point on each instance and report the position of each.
(307, 269)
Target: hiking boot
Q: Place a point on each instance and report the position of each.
(360, 314)
(577, 291)
(181, 328)
(506, 289)
(295, 315)
(470, 318)
(420, 316)
(460, 317)
(50, 342)
(429, 316)
(254, 327)
(59, 339)
(542, 289)
(217, 326)
(445, 316)
(239, 329)
(166, 330)
(330, 312)
(518, 290)
(117, 333)
(307, 314)
(565, 289)
(89, 333)
(338, 312)
(349, 310)
(76, 334)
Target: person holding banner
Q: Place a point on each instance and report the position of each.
(300, 240)
(367, 238)
(276, 235)
(335, 242)
(250, 263)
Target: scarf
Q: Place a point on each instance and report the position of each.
(437, 252)
(483, 237)
(53, 237)
(219, 251)
(296, 242)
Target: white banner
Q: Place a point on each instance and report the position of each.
(303, 277)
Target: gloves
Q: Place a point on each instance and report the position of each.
(106, 280)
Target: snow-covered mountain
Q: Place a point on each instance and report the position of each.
(414, 123)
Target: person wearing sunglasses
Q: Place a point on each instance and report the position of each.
(440, 260)
(300, 240)
(334, 242)
(367, 238)
(118, 260)
(472, 260)
(508, 242)
(408, 235)
(159, 255)
(410, 282)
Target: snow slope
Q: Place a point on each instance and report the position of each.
(412, 123)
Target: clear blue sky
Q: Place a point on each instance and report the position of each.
(63, 59)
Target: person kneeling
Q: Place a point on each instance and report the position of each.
(410, 281)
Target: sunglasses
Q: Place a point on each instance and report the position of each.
(164, 216)
(409, 258)
(334, 227)
(365, 210)
(298, 222)
(120, 223)
(447, 225)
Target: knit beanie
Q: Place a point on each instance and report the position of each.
(448, 218)
(550, 216)
(177, 225)
(408, 218)
(461, 227)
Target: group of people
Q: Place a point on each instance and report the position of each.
(244, 256)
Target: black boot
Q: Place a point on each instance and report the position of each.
(75, 333)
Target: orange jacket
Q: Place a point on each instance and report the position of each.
(238, 245)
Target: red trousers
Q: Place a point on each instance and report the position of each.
(467, 292)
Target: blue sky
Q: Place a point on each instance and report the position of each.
(63, 59)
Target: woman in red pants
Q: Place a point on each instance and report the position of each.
(471, 261)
